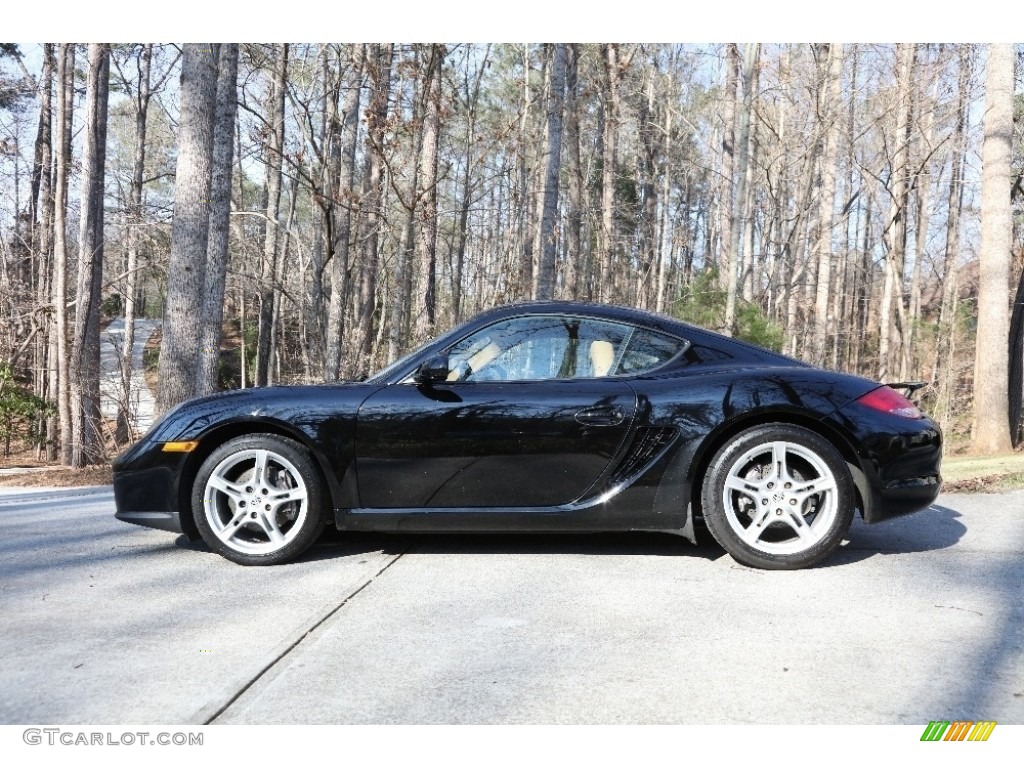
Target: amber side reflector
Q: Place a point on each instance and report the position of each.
(184, 446)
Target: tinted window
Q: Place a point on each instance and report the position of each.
(557, 347)
(646, 351)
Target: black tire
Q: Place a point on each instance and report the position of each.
(259, 523)
(754, 508)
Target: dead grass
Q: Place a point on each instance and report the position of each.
(40, 473)
(985, 474)
(59, 477)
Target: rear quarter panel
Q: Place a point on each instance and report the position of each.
(707, 404)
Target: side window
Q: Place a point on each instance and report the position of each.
(545, 347)
(646, 351)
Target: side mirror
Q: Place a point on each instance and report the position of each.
(435, 369)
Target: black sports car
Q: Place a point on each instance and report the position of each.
(544, 417)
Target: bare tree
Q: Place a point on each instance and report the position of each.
(1016, 369)
(831, 132)
(269, 286)
(379, 66)
(727, 164)
(991, 432)
(546, 271)
(896, 221)
(741, 202)
(402, 273)
(179, 353)
(574, 250)
(62, 161)
(212, 315)
(945, 346)
(135, 218)
(609, 158)
(47, 364)
(86, 437)
(345, 133)
(426, 302)
(472, 86)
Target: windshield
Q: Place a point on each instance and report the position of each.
(393, 368)
(400, 363)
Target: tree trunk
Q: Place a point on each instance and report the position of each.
(222, 159)
(271, 251)
(380, 59)
(401, 303)
(341, 216)
(665, 246)
(426, 304)
(179, 352)
(1015, 386)
(896, 230)
(741, 213)
(125, 431)
(911, 364)
(325, 169)
(645, 273)
(86, 435)
(829, 125)
(725, 255)
(746, 279)
(524, 240)
(472, 100)
(44, 288)
(277, 326)
(545, 288)
(65, 117)
(575, 181)
(609, 158)
(991, 402)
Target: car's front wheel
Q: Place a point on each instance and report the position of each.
(258, 500)
(778, 497)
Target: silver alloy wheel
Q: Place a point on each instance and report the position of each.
(780, 498)
(256, 501)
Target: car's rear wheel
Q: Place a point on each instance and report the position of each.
(778, 496)
(258, 500)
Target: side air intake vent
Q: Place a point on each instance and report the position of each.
(647, 445)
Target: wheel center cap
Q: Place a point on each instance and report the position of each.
(780, 496)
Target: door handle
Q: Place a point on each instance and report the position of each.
(600, 417)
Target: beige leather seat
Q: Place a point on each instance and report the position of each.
(478, 360)
(602, 355)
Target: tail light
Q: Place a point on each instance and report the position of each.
(892, 402)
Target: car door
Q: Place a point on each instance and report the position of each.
(527, 418)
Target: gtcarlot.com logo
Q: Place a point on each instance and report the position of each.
(958, 730)
(59, 736)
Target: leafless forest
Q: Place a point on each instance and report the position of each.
(302, 213)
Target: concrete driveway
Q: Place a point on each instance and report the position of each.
(913, 620)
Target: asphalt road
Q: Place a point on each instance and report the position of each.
(916, 619)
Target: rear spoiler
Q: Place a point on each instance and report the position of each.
(910, 386)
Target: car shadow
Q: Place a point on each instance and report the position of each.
(334, 544)
(624, 543)
(331, 544)
(935, 528)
